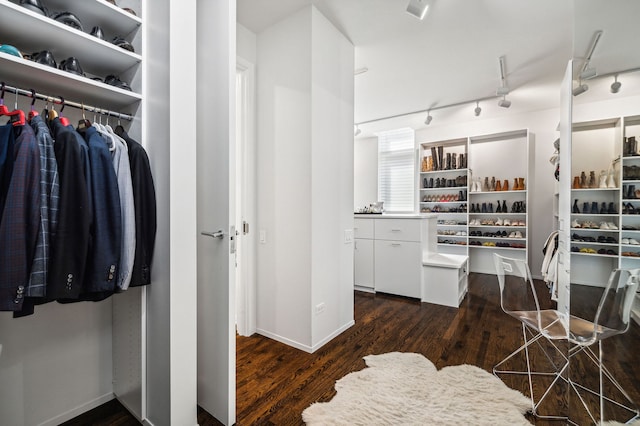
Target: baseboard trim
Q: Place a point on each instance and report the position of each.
(332, 335)
(298, 345)
(74, 412)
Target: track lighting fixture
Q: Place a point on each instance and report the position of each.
(418, 8)
(427, 120)
(357, 130)
(477, 110)
(502, 76)
(615, 86)
(580, 89)
(504, 103)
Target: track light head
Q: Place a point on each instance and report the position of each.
(504, 103)
(418, 8)
(427, 120)
(580, 89)
(357, 131)
(477, 110)
(502, 91)
(615, 86)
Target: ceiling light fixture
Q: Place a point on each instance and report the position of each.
(418, 8)
(357, 130)
(427, 120)
(502, 75)
(504, 103)
(477, 110)
(580, 89)
(586, 72)
(615, 86)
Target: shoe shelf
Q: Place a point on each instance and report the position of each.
(24, 73)
(594, 230)
(497, 247)
(495, 214)
(97, 57)
(444, 171)
(591, 243)
(594, 189)
(510, 191)
(612, 215)
(610, 256)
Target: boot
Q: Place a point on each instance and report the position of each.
(602, 182)
(603, 208)
(499, 208)
(473, 208)
(625, 148)
(493, 184)
(484, 208)
(498, 185)
(461, 161)
(485, 185)
(429, 164)
(505, 185)
(611, 181)
(592, 179)
(504, 206)
(575, 208)
(583, 180)
(585, 207)
(423, 165)
(425, 183)
(448, 161)
(464, 194)
(430, 182)
(594, 207)
(612, 209)
(632, 193)
(434, 156)
(441, 158)
(633, 146)
(490, 207)
(454, 160)
(515, 184)
(521, 184)
(576, 182)
(478, 208)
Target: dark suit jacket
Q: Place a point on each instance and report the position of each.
(144, 197)
(70, 243)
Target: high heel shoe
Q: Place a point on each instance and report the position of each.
(575, 208)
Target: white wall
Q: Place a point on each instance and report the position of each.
(304, 163)
(246, 44)
(331, 178)
(365, 153)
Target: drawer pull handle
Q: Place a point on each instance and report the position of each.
(396, 230)
(396, 245)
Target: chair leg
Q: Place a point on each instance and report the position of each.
(557, 373)
(603, 372)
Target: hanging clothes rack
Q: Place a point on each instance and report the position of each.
(61, 101)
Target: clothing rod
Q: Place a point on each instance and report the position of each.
(64, 102)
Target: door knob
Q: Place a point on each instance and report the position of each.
(217, 234)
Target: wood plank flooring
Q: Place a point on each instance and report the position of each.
(275, 383)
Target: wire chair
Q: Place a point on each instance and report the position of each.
(611, 318)
(518, 299)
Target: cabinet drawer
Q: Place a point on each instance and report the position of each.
(363, 228)
(397, 229)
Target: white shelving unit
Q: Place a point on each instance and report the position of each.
(111, 340)
(504, 156)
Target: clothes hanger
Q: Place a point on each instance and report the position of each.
(32, 111)
(83, 123)
(63, 120)
(3, 109)
(16, 117)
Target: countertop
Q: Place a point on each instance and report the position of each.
(395, 216)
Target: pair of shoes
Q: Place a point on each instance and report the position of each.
(72, 65)
(630, 241)
(516, 234)
(610, 226)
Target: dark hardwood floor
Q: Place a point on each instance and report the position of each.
(275, 382)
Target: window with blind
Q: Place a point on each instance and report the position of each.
(396, 170)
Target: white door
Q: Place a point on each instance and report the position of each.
(215, 121)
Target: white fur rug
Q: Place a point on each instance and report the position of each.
(407, 389)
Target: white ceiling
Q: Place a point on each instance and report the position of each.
(452, 55)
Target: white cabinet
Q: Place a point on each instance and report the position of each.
(398, 267)
(445, 279)
(388, 252)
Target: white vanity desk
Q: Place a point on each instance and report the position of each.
(397, 254)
